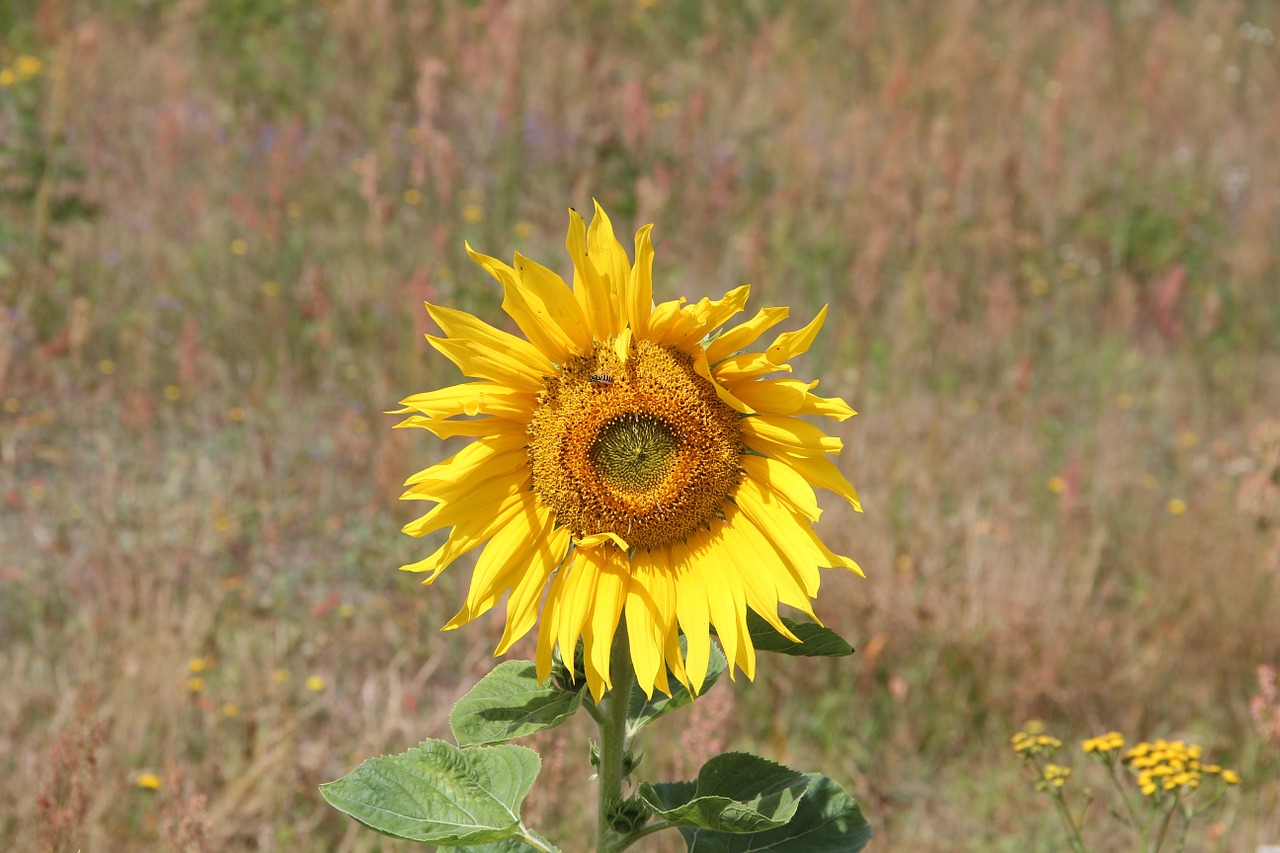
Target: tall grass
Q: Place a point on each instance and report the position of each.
(1048, 234)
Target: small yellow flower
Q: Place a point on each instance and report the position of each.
(198, 665)
(524, 229)
(346, 610)
(315, 684)
(172, 393)
(293, 210)
(12, 405)
(1110, 742)
(270, 289)
(280, 676)
(236, 413)
(412, 196)
(1056, 484)
(195, 684)
(106, 367)
(27, 66)
(1230, 777)
(239, 247)
(1055, 775)
(7, 77)
(473, 213)
(1177, 506)
(148, 781)
(230, 709)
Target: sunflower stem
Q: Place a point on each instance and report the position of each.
(613, 736)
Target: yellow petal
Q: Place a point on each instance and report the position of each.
(795, 586)
(696, 321)
(590, 290)
(459, 325)
(463, 464)
(522, 605)
(471, 399)
(622, 345)
(737, 369)
(475, 502)
(787, 435)
(611, 262)
(692, 614)
(549, 625)
(445, 481)
(669, 321)
(784, 481)
(547, 295)
(703, 369)
(575, 600)
(538, 310)
(785, 531)
(639, 300)
(445, 428)
(486, 363)
(758, 569)
(466, 535)
(725, 599)
(650, 604)
(607, 601)
(774, 396)
(509, 548)
(788, 345)
(742, 336)
(819, 471)
(595, 540)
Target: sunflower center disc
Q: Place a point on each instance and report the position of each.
(634, 453)
(640, 447)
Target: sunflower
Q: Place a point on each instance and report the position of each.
(628, 462)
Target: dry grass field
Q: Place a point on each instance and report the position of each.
(1048, 233)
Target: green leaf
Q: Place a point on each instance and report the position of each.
(644, 711)
(815, 640)
(827, 821)
(735, 792)
(511, 845)
(509, 703)
(437, 793)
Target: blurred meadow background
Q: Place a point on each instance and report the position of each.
(1048, 232)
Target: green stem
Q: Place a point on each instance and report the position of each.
(1064, 814)
(613, 736)
(531, 840)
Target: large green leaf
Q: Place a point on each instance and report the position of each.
(827, 821)
(437, 793)
(512, 845)
(735, 792)
(815, 640)
(644, 711)
(509, 703)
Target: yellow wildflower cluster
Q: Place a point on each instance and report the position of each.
(25, 67)
(1171, 765)
(1027, 744)
(1054, 777)
(1110, 742)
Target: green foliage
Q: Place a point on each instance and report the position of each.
(815, 640)
(644, 710)
(827, 820)
(440, 794)
(509, 703)
(734, 792)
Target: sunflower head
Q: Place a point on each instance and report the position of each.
(629, 460)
